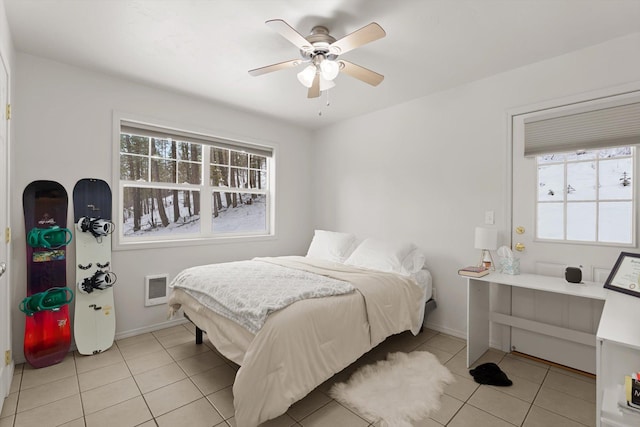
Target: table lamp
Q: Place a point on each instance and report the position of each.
(486, 241)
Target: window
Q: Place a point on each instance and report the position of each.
(586, 196)
(176, 185)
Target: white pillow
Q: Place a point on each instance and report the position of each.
(331, 245)
(413, 262)
(382, 256)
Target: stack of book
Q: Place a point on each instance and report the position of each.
(632, 391)
(473, 271)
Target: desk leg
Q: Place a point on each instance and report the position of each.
(477, 319)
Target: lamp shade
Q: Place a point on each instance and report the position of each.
(307, 75)
(330, 69)
(486, 238)
(325, 84)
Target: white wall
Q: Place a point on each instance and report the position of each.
(426, 171)
(62, 131)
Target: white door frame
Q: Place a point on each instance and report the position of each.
(501, 335)
(6, 370)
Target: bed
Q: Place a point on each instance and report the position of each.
(298, 347)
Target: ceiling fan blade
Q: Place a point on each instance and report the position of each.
(360, 37)
(289, 33)
(361, 73)
(314, 90)
(275, 67)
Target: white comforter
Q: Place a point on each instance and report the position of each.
(241, 293)
(306, 343)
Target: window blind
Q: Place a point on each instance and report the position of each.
(144, 129)
(616, 124)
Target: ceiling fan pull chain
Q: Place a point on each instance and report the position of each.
(326, 93)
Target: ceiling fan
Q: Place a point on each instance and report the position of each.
(322, 51)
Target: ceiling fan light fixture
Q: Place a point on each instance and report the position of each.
(330, 69)
(307, 75)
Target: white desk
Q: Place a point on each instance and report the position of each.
(479, 315)
(618, 354)
(617, 341)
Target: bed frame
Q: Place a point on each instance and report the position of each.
(430, 306)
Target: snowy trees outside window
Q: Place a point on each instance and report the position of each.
(167, 185)
(235, 211)
(586, 196)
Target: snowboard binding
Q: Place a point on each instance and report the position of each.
(100, 280)
(51, 299)
(98, 227)
(51, 238)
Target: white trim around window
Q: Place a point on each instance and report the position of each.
(201, 186)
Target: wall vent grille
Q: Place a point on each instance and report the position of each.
(156, 289)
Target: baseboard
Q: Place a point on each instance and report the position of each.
(445, 330)
(151, 328)
(125, 334)
(7, 377)
(557, 365)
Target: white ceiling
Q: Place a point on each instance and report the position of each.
(206, 47)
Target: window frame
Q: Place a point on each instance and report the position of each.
(205, 235)
(596, 200)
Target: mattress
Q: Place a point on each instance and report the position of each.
(232, 340)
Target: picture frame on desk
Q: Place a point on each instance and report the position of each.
(625, 276)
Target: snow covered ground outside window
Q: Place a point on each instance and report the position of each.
(586, 196)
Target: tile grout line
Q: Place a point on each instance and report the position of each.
(312, 412)
(529, 404)
(494, 415)
(136, 383)
(203, 396)
(536, 395)
(464, 402)
(224, 359)
(20, 389)
(15, 411)
(559, 391)
(103, 385)
(187, 376)
(75, 366)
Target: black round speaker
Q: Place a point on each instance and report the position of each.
(573, 275)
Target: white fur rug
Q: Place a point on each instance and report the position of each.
(405, 387)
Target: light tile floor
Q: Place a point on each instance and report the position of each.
(164, 379)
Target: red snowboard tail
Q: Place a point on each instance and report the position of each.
(47, 337)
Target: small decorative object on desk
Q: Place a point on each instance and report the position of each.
(573, 274)
(508, 264)
(632, 391)
(473, 271)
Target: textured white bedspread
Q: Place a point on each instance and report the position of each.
(248, 291)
